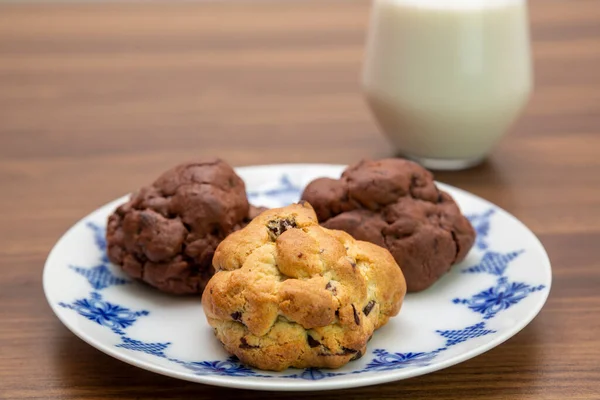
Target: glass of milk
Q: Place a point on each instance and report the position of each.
(445, 79)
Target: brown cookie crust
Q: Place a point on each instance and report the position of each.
(395, 203)
(290, 293)
(166, 234)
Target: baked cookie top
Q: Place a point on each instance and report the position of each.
(395, 203)
(166, 234)
(288, 292)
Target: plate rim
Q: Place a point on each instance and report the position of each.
(257, 383)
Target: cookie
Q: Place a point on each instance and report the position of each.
(166, 234)
(394, 203)
(290, 293)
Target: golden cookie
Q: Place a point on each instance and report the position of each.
(289, 293)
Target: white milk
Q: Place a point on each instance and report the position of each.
(446, 78)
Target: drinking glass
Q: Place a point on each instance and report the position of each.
(445, 79)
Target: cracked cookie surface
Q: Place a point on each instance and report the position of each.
(290, 293)
(166, 234)
(395, 203)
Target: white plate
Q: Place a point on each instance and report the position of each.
(492, 295)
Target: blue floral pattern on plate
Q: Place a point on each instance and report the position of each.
(104, 313)
(456, 336)
(229, 367)
(494, 263)
(385, 361)
(154, 349)
(481, 224)
(485, 303)
(283, 193)
(100, 277)
(497, 298)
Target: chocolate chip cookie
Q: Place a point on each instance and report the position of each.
(290, 293)
(394, 203)
(166, 234)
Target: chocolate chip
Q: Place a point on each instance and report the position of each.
(369, 307)
(312, 342)
(300, 255)
(357, 356)
(146, 219)
(345, 351)
(236, 316)
(244, 344)
(457, 243)
(331, 288)
(352, 262)
(413, 183)
(337, 313)
(356, 317)
(286, 224)
(277, 227)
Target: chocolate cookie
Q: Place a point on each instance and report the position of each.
(395, 203)
(166, 234)
(290, 293)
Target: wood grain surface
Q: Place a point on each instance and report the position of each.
(97, 99)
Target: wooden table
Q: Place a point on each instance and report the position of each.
(97, 99)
